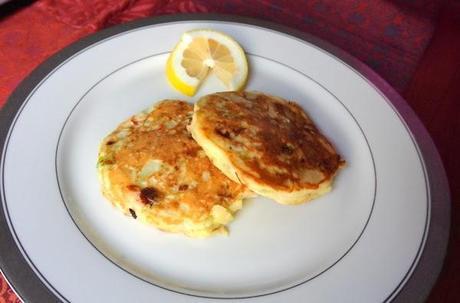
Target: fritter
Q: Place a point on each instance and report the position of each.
(266, 143)
(151, 169)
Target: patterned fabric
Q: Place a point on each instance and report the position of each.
(6, 294)
(388, 35)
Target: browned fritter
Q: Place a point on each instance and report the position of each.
(153, 170)
(269, 141)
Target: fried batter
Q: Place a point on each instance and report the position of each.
(266, 143)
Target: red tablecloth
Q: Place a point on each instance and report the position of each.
(390, 36)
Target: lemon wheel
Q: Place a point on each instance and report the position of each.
(202, 52)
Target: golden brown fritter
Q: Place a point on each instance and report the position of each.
(151, 168)
(266, 143)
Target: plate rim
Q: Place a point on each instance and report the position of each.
(434, 250)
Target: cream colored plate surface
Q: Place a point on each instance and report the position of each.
(366, 234)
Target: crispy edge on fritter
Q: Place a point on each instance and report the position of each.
(127, 199)
(231, 165)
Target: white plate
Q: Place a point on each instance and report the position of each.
(367, 234)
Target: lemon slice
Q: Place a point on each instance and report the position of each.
(200, 53)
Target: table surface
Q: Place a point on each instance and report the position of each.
(415, 48)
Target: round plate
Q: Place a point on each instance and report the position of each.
(367, 234)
